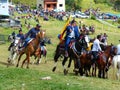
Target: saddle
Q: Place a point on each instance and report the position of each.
(62, 44)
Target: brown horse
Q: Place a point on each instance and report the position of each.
(103, 61)
(86, 62)
(31, 49)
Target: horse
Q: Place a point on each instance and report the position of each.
(74, 52)
(103, 61)
(43, 51)
(31, 49)
(13, 49)
(115, 63)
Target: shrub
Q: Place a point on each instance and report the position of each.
(93, 17)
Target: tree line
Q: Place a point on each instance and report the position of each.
(76, 4)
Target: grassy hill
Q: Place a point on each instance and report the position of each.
(85, 4)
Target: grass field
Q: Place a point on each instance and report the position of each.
(13, 78)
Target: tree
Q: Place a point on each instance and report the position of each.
(117, 5)
(73, 4)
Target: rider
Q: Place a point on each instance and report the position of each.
(21, 36)
(31, 34)
(96, 48)
(72, 32)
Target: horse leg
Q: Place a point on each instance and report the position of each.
(70, 61)
(45, 56)
(28, 60)
(89, 70)
(99, 73)
(63, 64)
(10, 57)
(14, 57)
(118, 72)
(55, 60)
(103, 73)
(23, 62)
(19, 59)
(93, 70)
(79, 67)
(75, 67)
(39, 59)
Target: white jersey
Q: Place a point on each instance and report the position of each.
(72, 34)
(96, 45)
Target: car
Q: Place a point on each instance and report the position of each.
(81, 15)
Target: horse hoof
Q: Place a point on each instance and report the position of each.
(65, 72)
(54, 69)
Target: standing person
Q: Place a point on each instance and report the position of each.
(104, 39)
(96, 48)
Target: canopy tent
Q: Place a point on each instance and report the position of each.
(113, 15)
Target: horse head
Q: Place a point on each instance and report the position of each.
(84, 42)
(111, 50)
(11, 38)
(40, 35)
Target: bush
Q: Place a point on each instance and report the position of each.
(93, 17)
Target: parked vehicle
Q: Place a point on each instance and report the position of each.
(81, 15)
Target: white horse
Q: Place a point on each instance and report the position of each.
(14, 51)
(116, 65)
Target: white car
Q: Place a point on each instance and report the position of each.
(81, 15)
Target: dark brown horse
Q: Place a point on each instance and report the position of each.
(74, 52)
(103, 61)
(31, 49)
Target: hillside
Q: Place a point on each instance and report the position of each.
(85, 4)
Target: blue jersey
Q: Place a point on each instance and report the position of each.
(21, 36)
(32, 33)
(77, 33)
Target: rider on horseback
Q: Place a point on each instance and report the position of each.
(21, 36)
(31, 35)
(72, 32)
(96, 48)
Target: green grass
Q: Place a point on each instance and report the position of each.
(29, 79)
(13, 78)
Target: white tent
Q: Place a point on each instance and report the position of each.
(4, 8)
